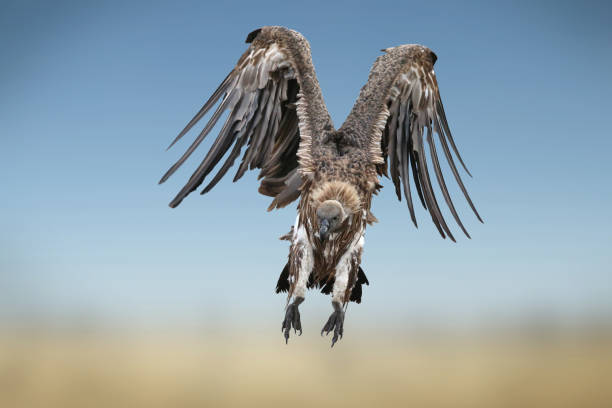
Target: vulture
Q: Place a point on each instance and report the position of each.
(277, 115)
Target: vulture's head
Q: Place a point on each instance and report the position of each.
(330, 216)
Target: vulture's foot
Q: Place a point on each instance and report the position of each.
(292, 319)
(335, 323)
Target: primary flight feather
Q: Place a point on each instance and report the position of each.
(278, 117)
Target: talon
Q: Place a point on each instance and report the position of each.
(292, 320)
(335, 323)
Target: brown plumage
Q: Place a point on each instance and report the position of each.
(277, 114)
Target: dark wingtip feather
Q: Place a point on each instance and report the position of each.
(464, 167)
(433, 56)
(252, 35)
(450, 161)
(170, 171)
(183, 132)
(176, 139)
(434, 209)
(185, 191)
(440, 109)
(440, 177)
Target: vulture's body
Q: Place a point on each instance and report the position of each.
(277, 112)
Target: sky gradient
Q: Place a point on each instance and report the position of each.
(92, 95)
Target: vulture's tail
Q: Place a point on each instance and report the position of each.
(283, 280)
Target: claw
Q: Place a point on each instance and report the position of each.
(292, 319)
(297, 324)
(335, 323)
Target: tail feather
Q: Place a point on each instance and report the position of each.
(357, 290)
(283, 280)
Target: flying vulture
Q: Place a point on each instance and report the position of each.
(277, 114)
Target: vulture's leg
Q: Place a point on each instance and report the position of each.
(346, 271)
(301, 261)
(336, 320)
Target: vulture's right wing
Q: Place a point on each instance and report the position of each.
(275, 107)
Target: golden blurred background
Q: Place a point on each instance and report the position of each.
(204, 368)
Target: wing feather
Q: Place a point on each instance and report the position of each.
(393, 146)
(402, 89)
(272, 77)
(209, 104)
(404, 159)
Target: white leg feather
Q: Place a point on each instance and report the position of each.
(344, 268)
(306, 264)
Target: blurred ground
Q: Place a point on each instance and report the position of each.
(47, 368)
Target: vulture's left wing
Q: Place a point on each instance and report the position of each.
(396, 111)
(275, 109)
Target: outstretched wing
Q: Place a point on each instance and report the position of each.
(397, 110)
(273, 97)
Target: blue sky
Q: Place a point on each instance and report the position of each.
(92, 94)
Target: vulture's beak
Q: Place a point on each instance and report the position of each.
(323, 229)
